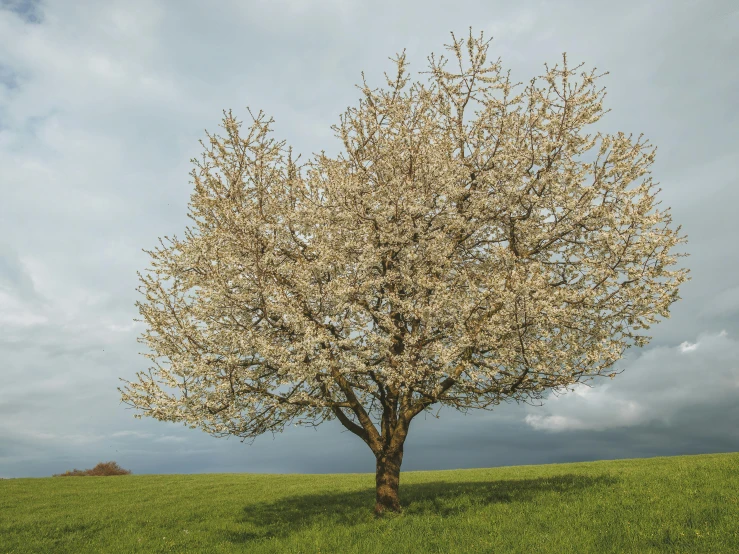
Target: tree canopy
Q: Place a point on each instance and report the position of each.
(441, 260)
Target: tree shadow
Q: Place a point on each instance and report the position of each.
(290, 514)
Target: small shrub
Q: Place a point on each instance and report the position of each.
(108, 468)
(73, 473)
(100, 470)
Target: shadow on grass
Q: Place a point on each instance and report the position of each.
(290, 514)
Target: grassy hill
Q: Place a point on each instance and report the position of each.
(667, 504)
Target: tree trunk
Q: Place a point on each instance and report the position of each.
(387, 480)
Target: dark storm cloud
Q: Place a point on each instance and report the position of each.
(29, 11)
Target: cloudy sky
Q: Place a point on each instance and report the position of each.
(101, 108)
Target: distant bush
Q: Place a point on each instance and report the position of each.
(100, 470)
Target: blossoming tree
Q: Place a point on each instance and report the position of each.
(442, 261)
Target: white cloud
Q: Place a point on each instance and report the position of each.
(518, 23)
(611, 413)
(63, 439)
(656, 386)
(170, 438)
(123, 328)
(138, 434)
(13, 313)
(66, 300)
(724, 303)
(687, 347)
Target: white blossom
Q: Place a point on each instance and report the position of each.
(436, 261)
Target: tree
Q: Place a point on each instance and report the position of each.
(441, 261)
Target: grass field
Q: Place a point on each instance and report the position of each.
(669, 504)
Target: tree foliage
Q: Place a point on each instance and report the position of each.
(438, 261)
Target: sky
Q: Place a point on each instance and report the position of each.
(102, 105)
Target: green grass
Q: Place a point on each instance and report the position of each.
(668, 504)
